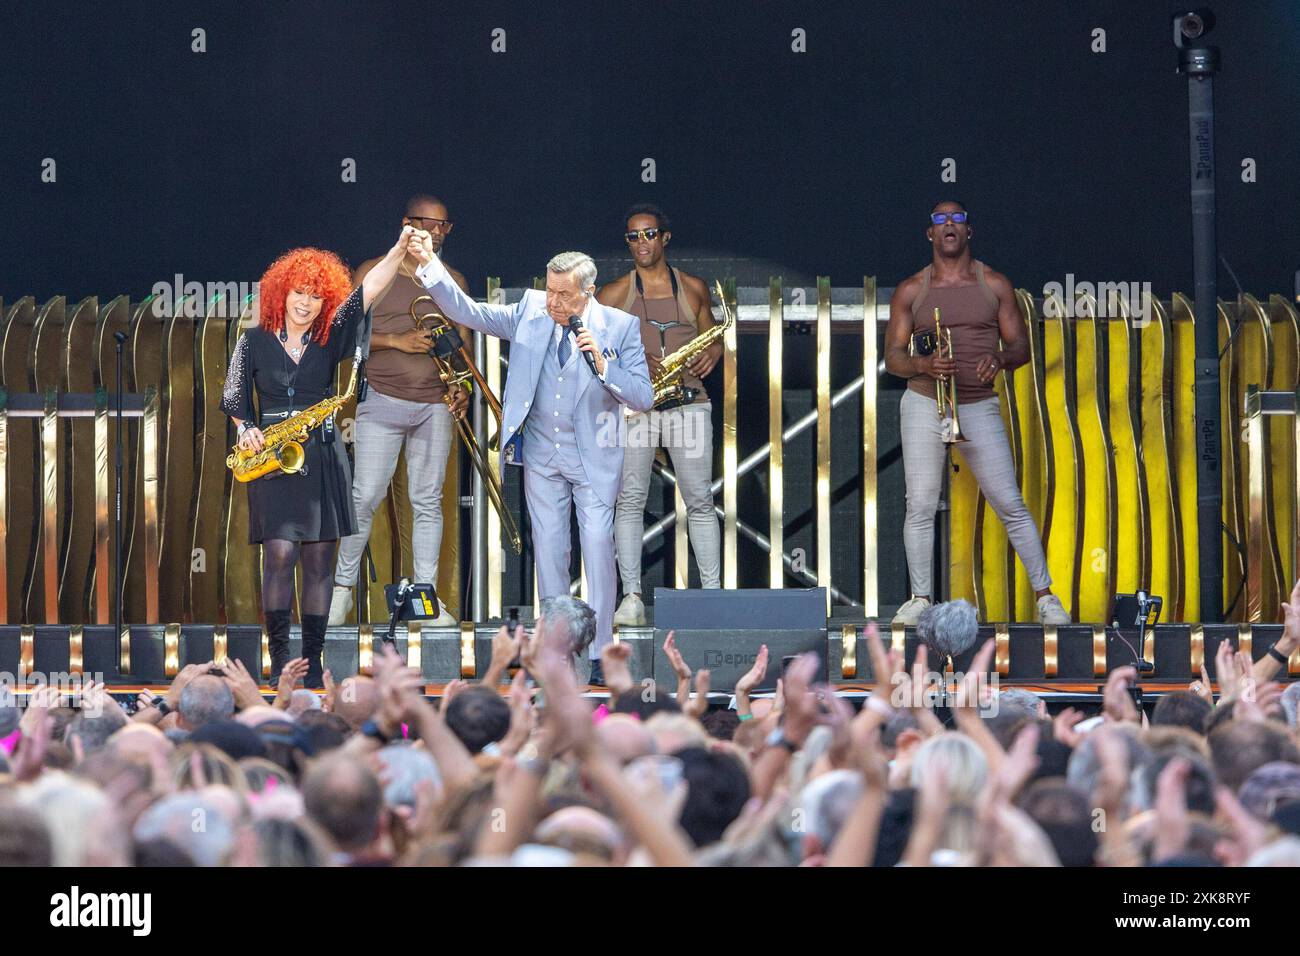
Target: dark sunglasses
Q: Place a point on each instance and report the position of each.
(939, 218)
(428, 223)
(649, 235)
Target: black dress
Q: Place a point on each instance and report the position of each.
(314, 504)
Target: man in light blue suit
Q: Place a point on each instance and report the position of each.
(561, 420)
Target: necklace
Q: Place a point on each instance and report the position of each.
(294, 350)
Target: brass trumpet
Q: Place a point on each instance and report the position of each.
(945, 387)
(457, 370)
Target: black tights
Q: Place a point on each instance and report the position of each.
(278, 560)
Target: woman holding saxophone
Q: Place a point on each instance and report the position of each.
(309, 323)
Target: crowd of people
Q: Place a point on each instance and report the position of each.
(535, 773)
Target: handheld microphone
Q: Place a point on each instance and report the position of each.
(575, 326)
(403, 589)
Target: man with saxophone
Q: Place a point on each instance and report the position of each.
(574, 365)
(673, 308)
(982, 334)
(407, 405)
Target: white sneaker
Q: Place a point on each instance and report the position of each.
(1052, 611)
(340, 604)
(631, 613)
(444, 618)
(910, 612)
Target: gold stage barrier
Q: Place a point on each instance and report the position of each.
(1100, 422)
(1102, 430)
(186, 556)
(790, 567)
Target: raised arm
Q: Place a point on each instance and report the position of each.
(498, 320)
(381, 275)
(1268, 665)
(412, 341)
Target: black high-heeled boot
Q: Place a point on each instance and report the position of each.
(313, 647)
(277, 636)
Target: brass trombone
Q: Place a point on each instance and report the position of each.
(945, 387)
(458, 370)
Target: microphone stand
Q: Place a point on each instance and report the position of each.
(399, 602)
(1146, 602)
(391, 636)
(120, 338)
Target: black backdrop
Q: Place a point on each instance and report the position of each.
(209, 164)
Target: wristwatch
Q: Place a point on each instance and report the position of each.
(537, 766)
(777, 738)
(371, 729)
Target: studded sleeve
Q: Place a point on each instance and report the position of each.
(237, 392)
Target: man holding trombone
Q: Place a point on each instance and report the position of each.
(407, 404)
(953, 327)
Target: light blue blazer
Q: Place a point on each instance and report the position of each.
(598, 425)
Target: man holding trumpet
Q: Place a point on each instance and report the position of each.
(975, 331)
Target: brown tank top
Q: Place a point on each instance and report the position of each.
(393, 372)
(666, 324)
(971, 312)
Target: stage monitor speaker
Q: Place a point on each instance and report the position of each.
(10, 650)
(723, 630)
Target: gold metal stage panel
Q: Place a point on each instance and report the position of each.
(1100, 422)
(1106, 461)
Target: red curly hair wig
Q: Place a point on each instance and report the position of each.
(316, 271)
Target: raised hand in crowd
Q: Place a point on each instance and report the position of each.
(749, 680)
(243, 687)
(680, 668)
(615, 661)
(292, 675)
(1117, 702)
(505, 649)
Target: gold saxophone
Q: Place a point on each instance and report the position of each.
(283, 441)
(667, 383)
